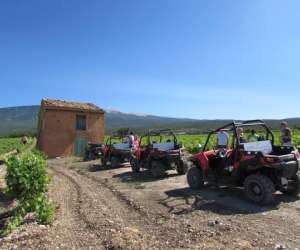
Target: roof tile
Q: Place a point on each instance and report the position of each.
(70, 105)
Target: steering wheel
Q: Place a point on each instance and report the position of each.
(221, 152)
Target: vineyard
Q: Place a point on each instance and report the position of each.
(191, 142)
(26, 179)
(9, 144)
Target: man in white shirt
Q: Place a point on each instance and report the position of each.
(130, 139)
(222, 139)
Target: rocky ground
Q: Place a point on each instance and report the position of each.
(115, 209)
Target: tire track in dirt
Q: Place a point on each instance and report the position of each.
(69, 231)
(113, 224)
(262, 226)
(91, 197)
(119, 223)
(132, 204)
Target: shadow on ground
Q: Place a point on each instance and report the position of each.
(6, 210)
(225, 201)
(99, 167)
(142, 176)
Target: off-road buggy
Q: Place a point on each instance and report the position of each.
(116, 151)
(92, 151)
(159, 151)
(260, 166)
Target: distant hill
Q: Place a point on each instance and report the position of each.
(18, 119)
(116, 119)
(24, 119)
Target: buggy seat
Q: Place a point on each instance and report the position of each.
(259, 146)
(164, 146)
(122, 146)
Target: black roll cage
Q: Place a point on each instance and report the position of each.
(109, 140)
(233, 126)
(160, 133)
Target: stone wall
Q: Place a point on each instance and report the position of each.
(58, 131)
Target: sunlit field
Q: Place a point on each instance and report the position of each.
(9, 144)
(192, 142)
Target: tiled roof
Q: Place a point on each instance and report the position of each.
(69, 105)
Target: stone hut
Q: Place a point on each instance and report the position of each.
(65, 128)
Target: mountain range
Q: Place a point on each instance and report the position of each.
(23, 119)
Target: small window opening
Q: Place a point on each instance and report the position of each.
(80, 122)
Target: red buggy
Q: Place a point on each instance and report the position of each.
(116, 151)
(260, 166)
(159, 151)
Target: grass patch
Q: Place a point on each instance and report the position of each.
(10, 144)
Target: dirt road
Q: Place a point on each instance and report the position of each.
(115, 209)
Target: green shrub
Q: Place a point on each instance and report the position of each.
(26, 175)
(27, 181)
(39, 154)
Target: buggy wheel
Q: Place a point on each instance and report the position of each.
(182, 167)
(158, 169)
(135, 165)
(259, 188)
(86, 155)
(103, 162)
(91, 156)
(293, 187)
(195, 177)
(115, 162)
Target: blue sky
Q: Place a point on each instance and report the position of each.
(190, 58)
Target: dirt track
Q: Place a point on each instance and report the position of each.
(115, 209)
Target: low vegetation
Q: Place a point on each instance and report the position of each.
(14, 143)
(27, 180)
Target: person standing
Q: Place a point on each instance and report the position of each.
(286, 134)
(131, 139)
(136, 142)
(222, 138)
(240, 134)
